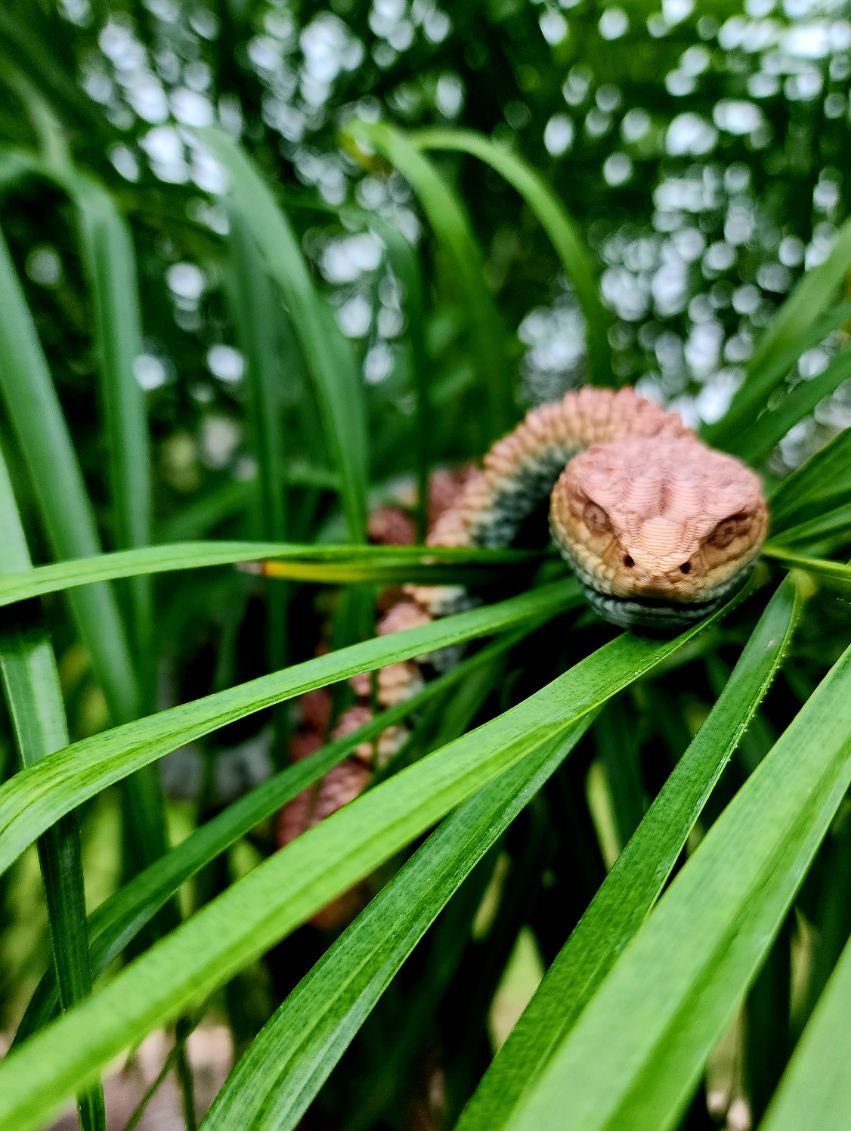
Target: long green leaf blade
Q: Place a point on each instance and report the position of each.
(333, 564)
(816, 1088)
(286, 889)
(756, 442)
(34, 699)
(285, 1066)
(36, 797)
(326, 354)
(111, 267)
(825, 476)
(118, 921)
(633, 1057)
(254, 304)
(556, 222)
(636, 879)
(790, 333)
(451, 225)
(42, 434)
(836, 573)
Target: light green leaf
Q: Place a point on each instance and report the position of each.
(326, 354)
(636, 879)
(835, 573)
(451, 225)
(634, 1056)
(292, 1057)
(32, 800)
(556, 222)
(118, 921)
(816, 1088)
(34, 701)
(287, 888)
(332, 564)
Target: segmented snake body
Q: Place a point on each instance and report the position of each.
(658, 528)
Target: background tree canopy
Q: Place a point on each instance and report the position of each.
(271, 263)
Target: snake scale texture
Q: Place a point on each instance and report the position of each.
(659, 529)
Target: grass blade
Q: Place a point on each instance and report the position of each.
(405, 266)
(43, 438)
(34, 700)
(633, 1058)
(118, 921)
(816, 1088)
(832, 529)
(451, 225)
(796, 326)
(286, 1065)
(755, 443)
(286, 889)
(636, 879)
(562, 230)
(835, 573)
(326, 354)
(333, 564)
(32, 800)
(111, 267)
(254, 305)
(825, 475)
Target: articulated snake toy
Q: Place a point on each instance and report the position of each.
(659, 529)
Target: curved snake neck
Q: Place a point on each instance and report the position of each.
(658, 527)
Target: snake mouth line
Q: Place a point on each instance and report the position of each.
(656, 613)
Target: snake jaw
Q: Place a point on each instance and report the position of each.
(657, 532)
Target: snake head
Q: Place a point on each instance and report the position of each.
(659, 530)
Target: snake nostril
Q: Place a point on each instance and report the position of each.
(685, 567)
(628, 561)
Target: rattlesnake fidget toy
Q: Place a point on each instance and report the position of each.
(659, 529)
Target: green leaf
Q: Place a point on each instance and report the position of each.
(816, 1088)
(797, 325)
(254, 303)
(326, 354)
(111, 268)
(34, 700)
(43, 438)
(119, 920)
(832, 572)
(452, 229)
(284, 890)
(32, 800)
(633, 1057)
(636, 879)
(828, 530)
(825, 477)
(562, 230)
(292, 1057)
(332, 564)
(756, 442)
(404, 264)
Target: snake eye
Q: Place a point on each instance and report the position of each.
(726, 530)
(628, 561)
(685, 567)
(595, 518)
